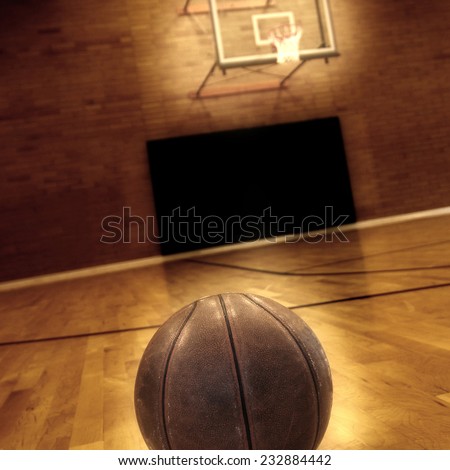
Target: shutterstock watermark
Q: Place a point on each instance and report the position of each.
(186, 226)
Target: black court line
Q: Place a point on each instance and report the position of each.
(294, 272)
(372, 255)
(370, 296)
(293, 307)
(317, 273)
(79, 335)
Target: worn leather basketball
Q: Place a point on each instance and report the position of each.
(233, 371)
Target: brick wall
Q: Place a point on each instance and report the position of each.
(83, 85)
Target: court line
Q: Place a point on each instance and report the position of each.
(79, 335)
(381, 253)
(293, 307)
(293, 272)
(319, 273)
(370, 296)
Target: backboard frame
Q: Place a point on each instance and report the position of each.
(259, 63)
(323, 51)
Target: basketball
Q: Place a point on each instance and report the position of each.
(233, 371)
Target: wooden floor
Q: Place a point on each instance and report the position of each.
(379, 304)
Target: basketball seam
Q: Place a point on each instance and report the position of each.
(166, 369)
(238, 374)
(305, 355)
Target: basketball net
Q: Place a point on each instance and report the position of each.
(286, 39)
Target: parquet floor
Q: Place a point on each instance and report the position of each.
(379, 304)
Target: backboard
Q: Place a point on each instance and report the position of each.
(241, 29)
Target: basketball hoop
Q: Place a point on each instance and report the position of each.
(286, 38)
